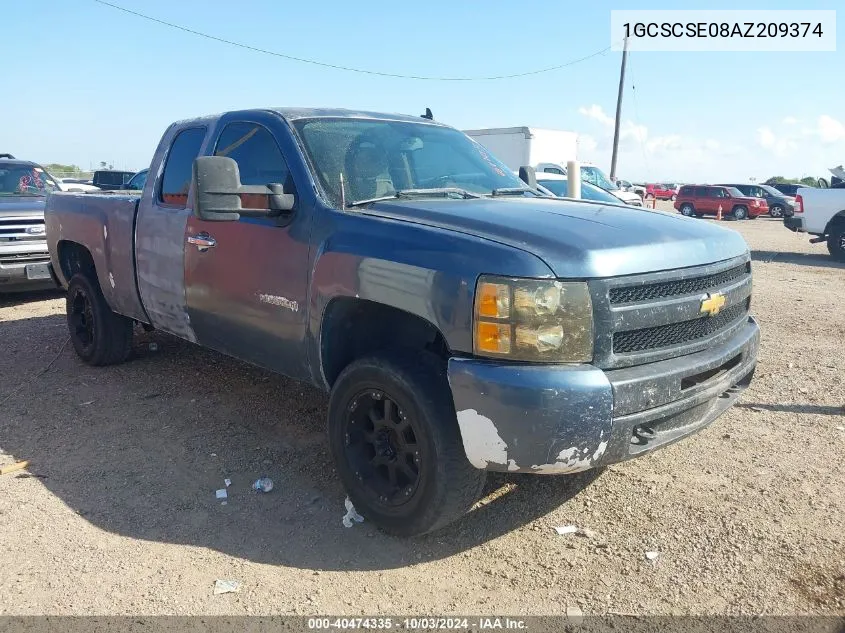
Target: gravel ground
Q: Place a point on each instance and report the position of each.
(117, 514)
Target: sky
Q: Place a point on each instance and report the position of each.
(103, 85)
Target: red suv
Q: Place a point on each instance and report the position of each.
(661, 191)
(700, 200)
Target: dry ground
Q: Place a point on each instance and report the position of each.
(118, 515)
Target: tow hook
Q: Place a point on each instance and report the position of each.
(642, 434)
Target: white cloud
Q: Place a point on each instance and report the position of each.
(628, 130)
(597, 113)
(662, 144)
(766, 138)
(786, 146)
(830, 130)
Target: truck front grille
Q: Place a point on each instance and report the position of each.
(663, 336)
(656, 316)
(24, 258)
(15, 229)
(630, 294)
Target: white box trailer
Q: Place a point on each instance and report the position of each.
(520, 146)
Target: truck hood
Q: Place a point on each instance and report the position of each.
(627, 196)
(577, 239)
(21, 206)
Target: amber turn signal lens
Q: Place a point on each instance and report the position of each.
(493, 338)
(494, 301)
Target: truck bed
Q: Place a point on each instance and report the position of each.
(105, 225)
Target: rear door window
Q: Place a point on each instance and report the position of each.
(178, 168)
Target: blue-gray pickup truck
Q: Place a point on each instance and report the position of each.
(461, 320)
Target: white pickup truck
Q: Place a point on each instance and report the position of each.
(821, 213)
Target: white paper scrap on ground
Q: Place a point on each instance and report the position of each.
(221, 494)
(351, 515)
(226, 586)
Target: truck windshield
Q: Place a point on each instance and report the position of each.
(25, 180)
(596, 176)
(378, 158)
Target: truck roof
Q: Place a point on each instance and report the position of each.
(292, 114)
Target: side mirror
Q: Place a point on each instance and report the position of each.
(219, 190)
(528, 176)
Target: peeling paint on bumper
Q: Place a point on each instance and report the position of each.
(549, 419)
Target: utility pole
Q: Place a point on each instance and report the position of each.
(618, 112)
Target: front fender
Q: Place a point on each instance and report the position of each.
(425, 271)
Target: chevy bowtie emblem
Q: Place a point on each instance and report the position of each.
(713, 303)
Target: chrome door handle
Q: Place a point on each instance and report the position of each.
(203, 241)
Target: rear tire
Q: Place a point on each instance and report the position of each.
(396, 443)
(836, 242)
(740, 213)
(99, 336)
(776, 211)
(688, 210)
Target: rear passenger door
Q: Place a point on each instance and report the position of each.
(706, 200)
(163, 213)
(247, 282)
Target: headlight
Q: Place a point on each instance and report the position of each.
(533, 320)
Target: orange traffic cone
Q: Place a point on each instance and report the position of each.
(719, 213)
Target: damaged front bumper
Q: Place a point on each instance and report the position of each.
(556, 419)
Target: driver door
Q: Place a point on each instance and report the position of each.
(246, 281)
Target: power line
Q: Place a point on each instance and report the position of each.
(347, 68)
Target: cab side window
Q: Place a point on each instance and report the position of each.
(258, 156)
(178, 168)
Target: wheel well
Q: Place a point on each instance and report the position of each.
(354, 328)
(837, 219)
(75, 258)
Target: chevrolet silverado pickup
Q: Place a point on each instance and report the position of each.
(460, 320)
(821, 213)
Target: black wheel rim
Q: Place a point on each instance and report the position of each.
(382, 446)
(81, 318)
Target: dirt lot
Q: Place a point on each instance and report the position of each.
(119, 515)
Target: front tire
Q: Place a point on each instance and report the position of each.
(99, 336)
(395, 441)
(740, 213)
(836, 242)
(674, 197)
(688, 210)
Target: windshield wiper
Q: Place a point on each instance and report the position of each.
(513, 191)
(439, 192)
